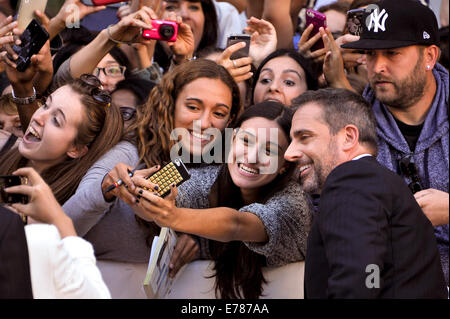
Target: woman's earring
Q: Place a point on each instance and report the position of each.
(428, 67)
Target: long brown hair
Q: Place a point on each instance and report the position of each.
(155, 119)
(100, 130)
(238, 270)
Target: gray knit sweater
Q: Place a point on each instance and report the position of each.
(286, 216)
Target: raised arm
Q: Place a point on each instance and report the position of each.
(221, 223)
(126, 30)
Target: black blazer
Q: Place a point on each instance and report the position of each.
(368, 216)
(15, 280)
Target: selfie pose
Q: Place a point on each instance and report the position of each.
(250, 207)
(107, 219)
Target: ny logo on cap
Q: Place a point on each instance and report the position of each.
(377, 20)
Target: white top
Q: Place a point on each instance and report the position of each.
(229, 22)
(62, 268)
(361, 156)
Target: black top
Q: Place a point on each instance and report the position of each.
(411, 133)
(15, 279)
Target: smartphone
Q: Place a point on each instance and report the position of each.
(26, 11)
(162, 30)
(33, 39)
(355, 21)
(232, 39)
(174, 172)
(105, 2)
(9, 181)
(317, 19)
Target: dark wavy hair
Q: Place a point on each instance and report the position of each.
(155, 120)
(238, 270)
(311, 78)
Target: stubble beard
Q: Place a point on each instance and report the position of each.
(407, 92)
(315, 181)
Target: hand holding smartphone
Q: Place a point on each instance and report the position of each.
(244, 52)
(32, 41)
(318, 20)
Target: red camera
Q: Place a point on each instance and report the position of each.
(105, 2)
(162, 30)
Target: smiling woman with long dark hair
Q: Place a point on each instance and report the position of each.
(251, 207)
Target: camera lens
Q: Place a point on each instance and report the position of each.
(166, 31)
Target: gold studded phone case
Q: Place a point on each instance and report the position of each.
(174, 172)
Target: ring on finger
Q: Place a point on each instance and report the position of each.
(234, 63)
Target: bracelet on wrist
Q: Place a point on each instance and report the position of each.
(24, 100)
(118, 41)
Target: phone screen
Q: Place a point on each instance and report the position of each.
(232, 39)
(33, 39)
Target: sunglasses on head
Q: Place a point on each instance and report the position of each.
(97, 92)
(409, 170)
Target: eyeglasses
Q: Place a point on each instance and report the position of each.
(113, 71)
(127, 112)
(409, 169)
(97, 92)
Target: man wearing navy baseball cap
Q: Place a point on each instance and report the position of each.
(409, 91)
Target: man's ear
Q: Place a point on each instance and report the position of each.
(77, 151)
(350, 137)
(430, 56)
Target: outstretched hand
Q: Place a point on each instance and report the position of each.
(238, 68)
(263, 39)
(305, 44)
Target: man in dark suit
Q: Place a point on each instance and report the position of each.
(369, 239)
(15, 281)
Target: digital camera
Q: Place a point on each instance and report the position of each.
(161, 30)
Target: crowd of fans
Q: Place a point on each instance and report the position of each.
(98, 103)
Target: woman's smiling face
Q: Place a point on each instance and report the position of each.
(53, 128)
(208, 101)
(257, 154)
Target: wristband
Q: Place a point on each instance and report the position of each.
(24, 100)
(121, 42)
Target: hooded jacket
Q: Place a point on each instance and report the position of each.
(431, 155)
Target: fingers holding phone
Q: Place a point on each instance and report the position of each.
(41, 205)
(235, 58)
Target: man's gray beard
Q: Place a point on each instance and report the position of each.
(409, 91)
